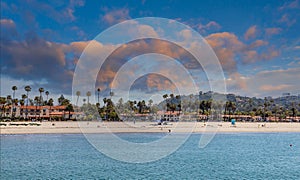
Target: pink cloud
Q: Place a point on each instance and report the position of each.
(272, 31)
(286, 19)
(7, 23)
(8, 27)
(290, 5)
(251, 32)
(282, 87)
(258, 43)
(212, 25)
(116, 16)
(225, 45)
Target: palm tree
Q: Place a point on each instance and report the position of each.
(150, 102)
(266, 104)
(47, 94)
(178, 98)
(165, 96)
(98, 90)
(111, 94)
(69, 108)
(22, 101)
(27, 89)
(50, 103)
(88, 94)
(41, 90)
(14, 88)
(37, 101)
(77, 94)
(190, 102)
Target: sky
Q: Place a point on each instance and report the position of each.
(257, 44)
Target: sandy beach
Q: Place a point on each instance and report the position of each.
(139, 127)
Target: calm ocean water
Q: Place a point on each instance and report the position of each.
(228, 156)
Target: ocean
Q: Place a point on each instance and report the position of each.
(227, 156)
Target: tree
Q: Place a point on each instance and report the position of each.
(41, 90)
(47, 94)
(14, 88)
(27, 89)
(69, 108)
(266, 104)
(36, 103)
(150, 102)
(178, 98)
(77, 94)
(50, 103)
(202, 106)
(88, 94)
(111, 94)
(63, 101)
(98, 91)
(22, 101)
(165, 96)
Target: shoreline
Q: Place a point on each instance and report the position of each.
(82, 127)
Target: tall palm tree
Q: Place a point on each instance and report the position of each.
(165, 96)
(41, 90)
(47, 94)
(24, 96)
(88, 94)
(14, 88)
(27, 89)
(77, 94)
(98, 91)
(37, 103)
(50, 103)
(22, 101)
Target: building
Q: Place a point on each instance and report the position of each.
(38, 112)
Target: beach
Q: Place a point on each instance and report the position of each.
(74, 127)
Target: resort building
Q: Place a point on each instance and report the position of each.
(38, 112)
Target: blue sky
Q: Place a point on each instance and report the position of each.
(257, 42)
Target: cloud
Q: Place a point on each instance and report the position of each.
(281, 87)
(225, 45)
(229, 48)
(274, 82)
(62, 12)
(290, 5)
(115, 16)
(210, 26)
(34, 59)
(272, 31)
(265, 83)
(8, 23)
(159, 83)
(7, 26)
(251, 33)
(269, 54)
(258, 43)
(139, 47)
(286, 19)
(236, 82)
